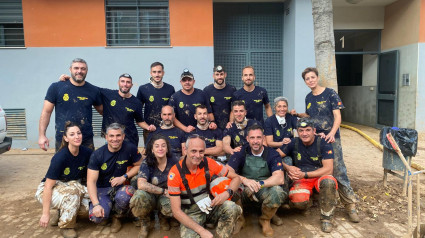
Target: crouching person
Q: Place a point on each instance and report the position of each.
(261, 172)
(61, 188)
(152, 193)
(188, 187)
(106, 174)
(313, 165)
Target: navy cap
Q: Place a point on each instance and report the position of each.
(305, 122)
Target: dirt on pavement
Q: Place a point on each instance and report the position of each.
(383, 210)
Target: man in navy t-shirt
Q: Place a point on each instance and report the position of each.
(106, 175)
(213, 138)
(122, 107)
(235, 136)
(253, 96)
(220, 95)
(72, 101)
(313, 164)
(154, 95)
(185, 101)
(176, 137)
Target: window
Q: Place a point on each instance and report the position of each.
(11, 24)
(137, 23)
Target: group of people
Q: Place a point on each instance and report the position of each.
(192, 138)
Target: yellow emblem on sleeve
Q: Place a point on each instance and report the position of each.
(212, 99)
(65, 97)
(104, 166)
(309, 105)
(298, 156)
(181, 104)
(66, 171)
(277, 133)
(113, 103)
(151, 98)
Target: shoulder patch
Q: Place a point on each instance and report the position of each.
(329, 152)
(171, 176)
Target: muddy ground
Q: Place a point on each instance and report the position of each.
(383, 210)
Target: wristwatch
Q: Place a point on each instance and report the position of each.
(305, 175)
(230, 191)
(261, 183)
(126, 176)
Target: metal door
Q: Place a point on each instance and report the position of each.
(387, 88)
(250, 34)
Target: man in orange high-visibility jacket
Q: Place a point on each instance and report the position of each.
(188, 187)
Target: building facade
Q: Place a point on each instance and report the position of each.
(379, 50)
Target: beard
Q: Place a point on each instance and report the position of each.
(78, 80)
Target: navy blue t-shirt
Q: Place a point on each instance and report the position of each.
(237, 160)
(153, 99)
(175, 136)
(221, 101)
(253, 102)
(308, 159)
(238, 137)
(66, 167)
(111, 165)
(123, 111)
(155, 176)
(185, 105)
(211, 136)
(320, 108)
(272, 127)
(73, 104)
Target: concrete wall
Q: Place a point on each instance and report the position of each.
(27, 73)
(420, 95)
(360, 104)
(346, 18)
(298, 51)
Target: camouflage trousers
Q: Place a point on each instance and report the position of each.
(119, 195)
(270, 197)
(346, 193)
(224, 215)
(143, 203)
(70, 198)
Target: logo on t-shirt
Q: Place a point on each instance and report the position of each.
(237, 139)
(298, 156)
(121, 162)
(104, 166)
(171, 176)
(196, 104)
(257, 100)
(227, 98)
(81, 167)
(129, 109)
(66, 171)
(113, 103)
(165, 99)
(329, 152)
(151, 98)
(181, 104)
(309, 105)
(277, 133)
(212, 99)
(172, 137)
(82, 98)
(321, 102)
(314, 158)
(65, 97)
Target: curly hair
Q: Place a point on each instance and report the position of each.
(150, 156)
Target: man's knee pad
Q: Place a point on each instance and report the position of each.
(327, 183)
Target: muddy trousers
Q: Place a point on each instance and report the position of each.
(224, 215)
(70, 198)
(346, 193)
(302, 190)
(120, 196)
(270, 197)
(143, 203)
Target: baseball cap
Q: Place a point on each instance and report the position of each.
(219, 68)
(305, 122)
(186, 74)
(126, 76)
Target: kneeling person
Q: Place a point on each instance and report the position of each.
(188, 186)
(152, 190)
(261, 171)
(313, 165)
(106, 174)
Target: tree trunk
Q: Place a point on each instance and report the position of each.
(324, 42)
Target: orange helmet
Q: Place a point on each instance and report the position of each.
(219, 185)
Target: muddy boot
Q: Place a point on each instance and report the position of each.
(116, 224)
(326, 226)
(68, 232)
(240, 223)
(54, 217)
(266, 216)
(144, 228)
(276, 220)
(352, 213)
(163, 222)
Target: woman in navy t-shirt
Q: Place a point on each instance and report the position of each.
(61, 188)
(152, 193)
